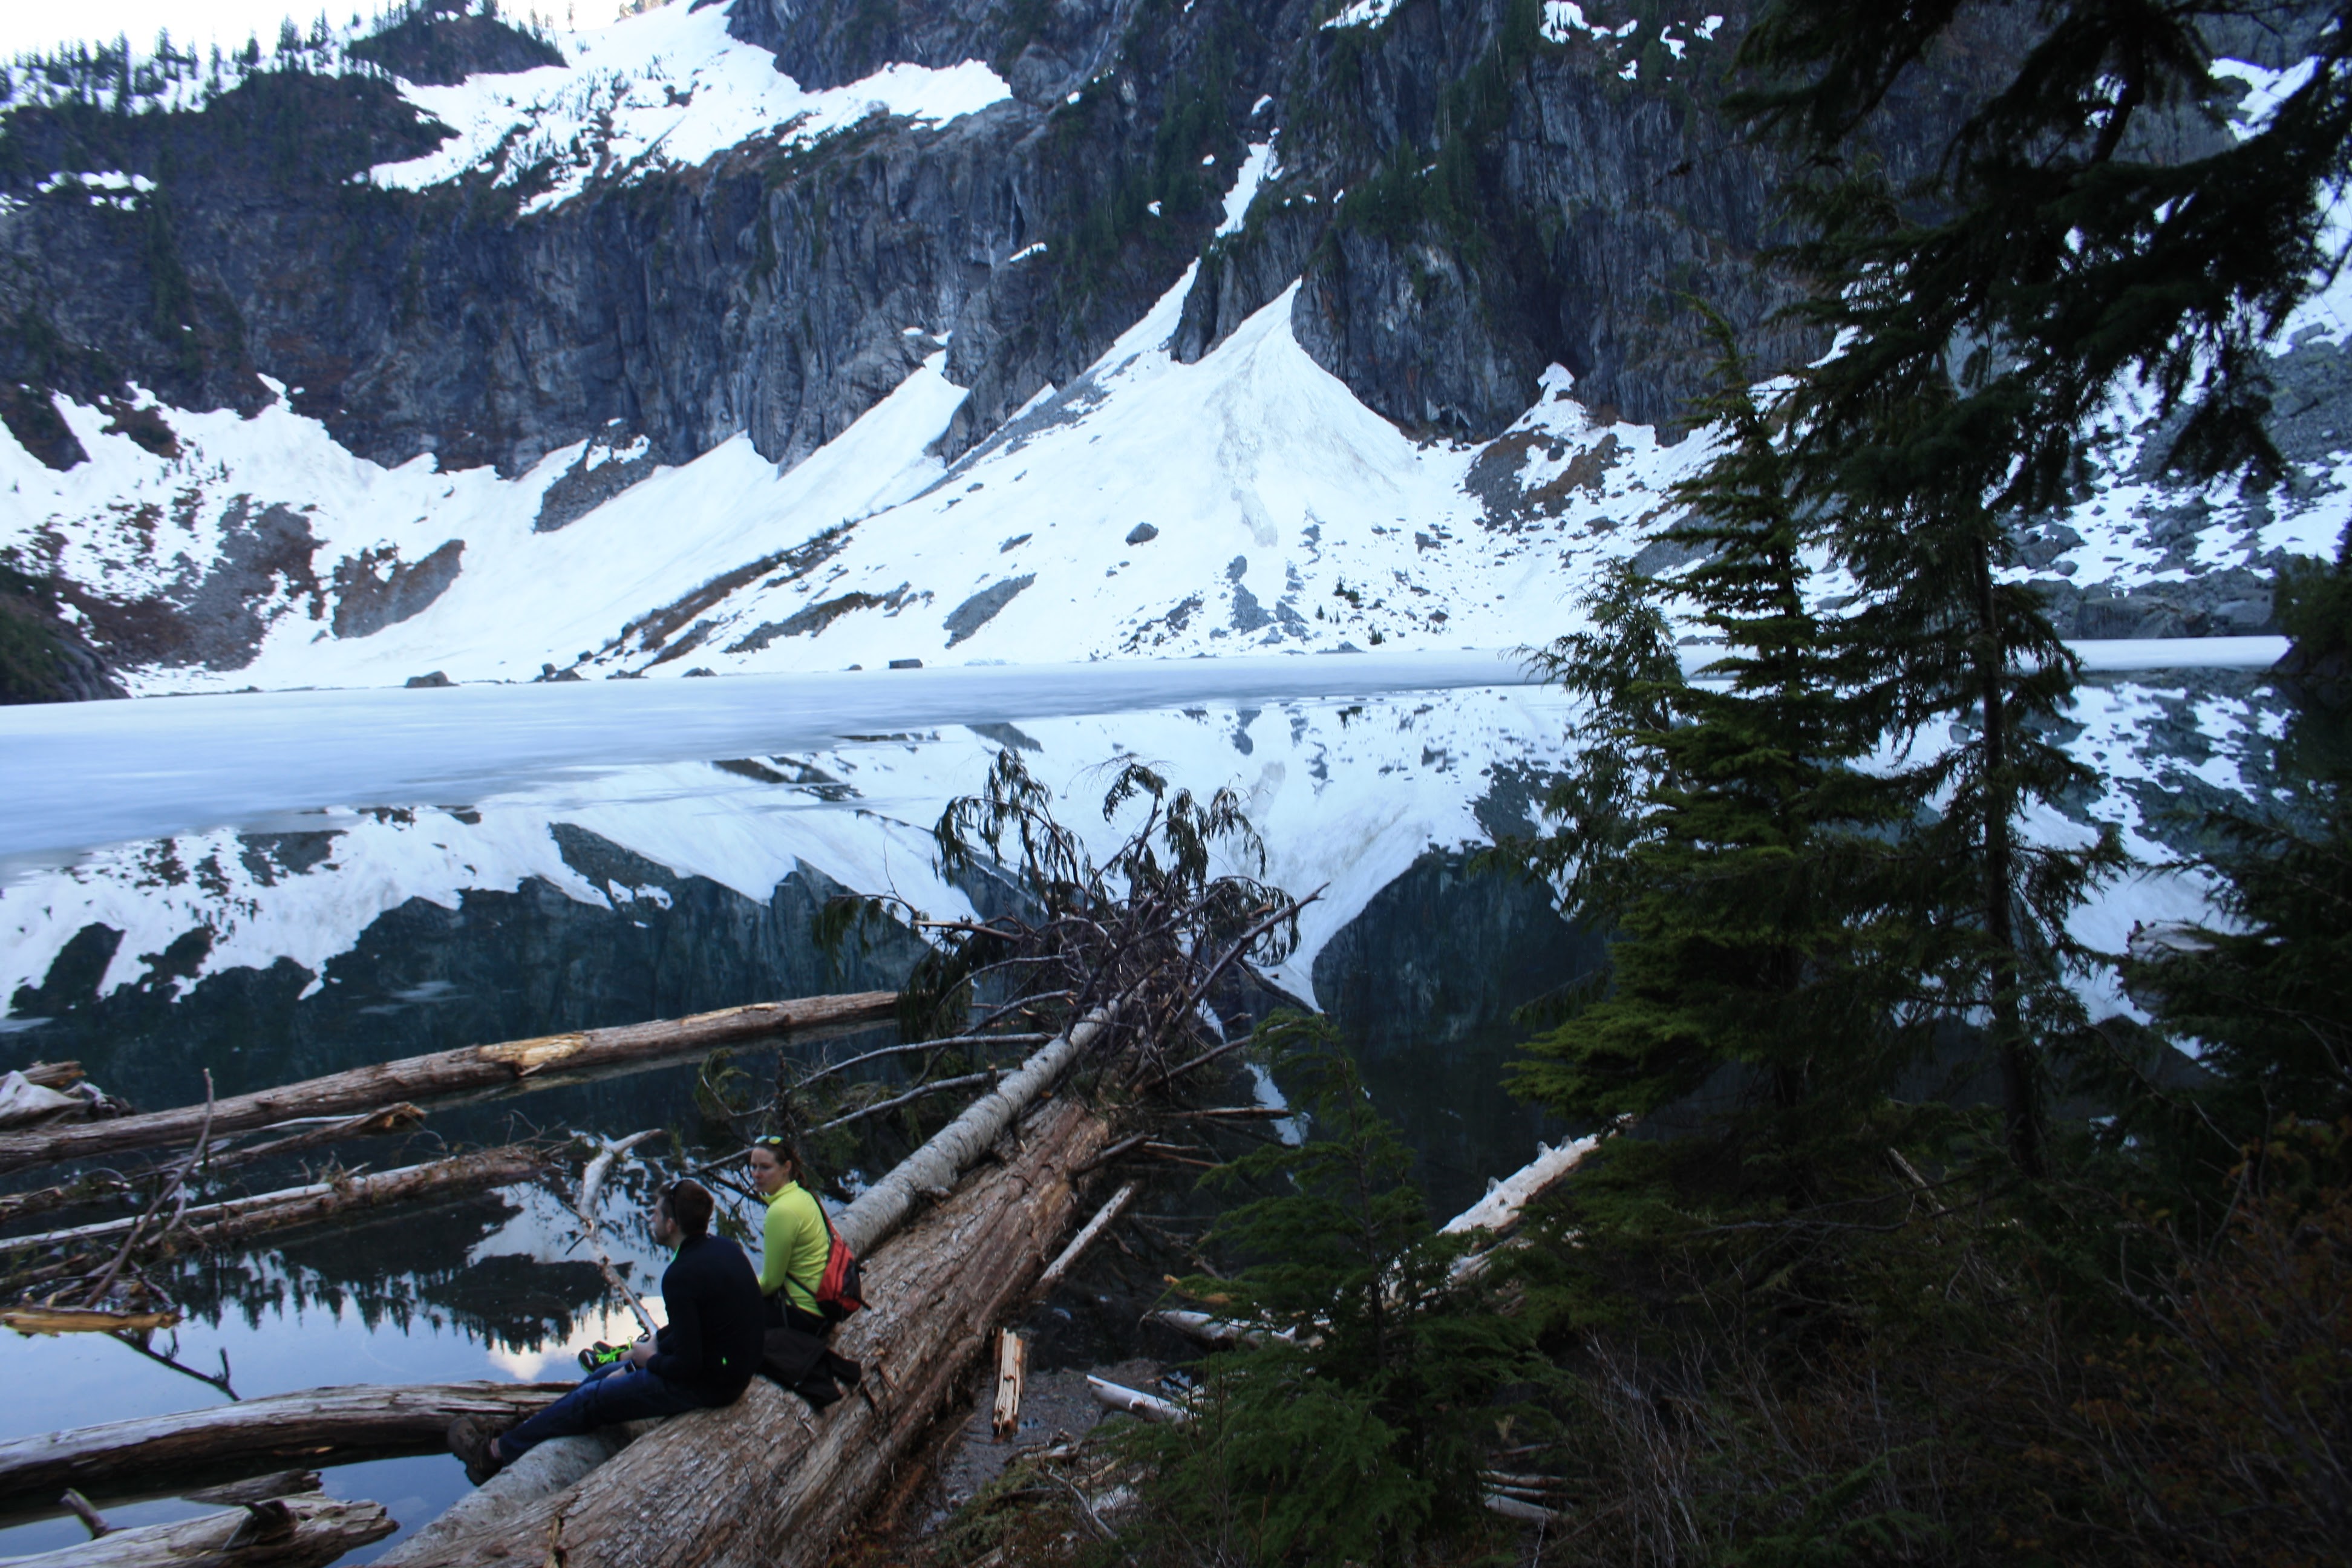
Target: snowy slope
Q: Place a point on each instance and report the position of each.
(1244, 502)
(661, 88)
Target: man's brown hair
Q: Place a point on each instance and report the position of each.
(689, 1203)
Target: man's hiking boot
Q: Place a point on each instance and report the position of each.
(601, 1354)
(470, 1439)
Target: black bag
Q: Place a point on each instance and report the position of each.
(800, 1361)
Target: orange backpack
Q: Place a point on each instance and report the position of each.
(839, 1291)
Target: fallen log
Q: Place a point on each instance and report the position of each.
(471, 1069)
(1135, 1402)
(1505, 1200)
(1079, 1243)
(98, 1186)
(160, 1454)
(37, 1320)
(765, 1481)
(307, 1531)
(215, 1225)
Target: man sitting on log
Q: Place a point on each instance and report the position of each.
(706, 1356)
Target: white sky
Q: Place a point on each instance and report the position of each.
(31, 25)
(26, 25)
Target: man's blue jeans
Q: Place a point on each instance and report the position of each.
(605, 1398)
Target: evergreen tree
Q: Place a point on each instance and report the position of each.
(1985, 317)
(1351, 1425)
(2267, 995)
(1723, 830)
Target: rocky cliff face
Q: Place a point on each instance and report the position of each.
(1467, 199)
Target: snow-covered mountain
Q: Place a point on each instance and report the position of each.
(479, 379)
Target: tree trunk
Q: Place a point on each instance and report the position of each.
(2020, 1086)
(472, 1070)
(766, 1481)
(159, 1455)
(308, 1531)
(215, 1225)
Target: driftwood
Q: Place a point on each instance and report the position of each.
(213, 1225)
(765, 1481)
(160, 1455)
(472, 1070)
(306, 1531)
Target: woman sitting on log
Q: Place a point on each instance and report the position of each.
(706, 1356)
(794, 1241)
(795, 1245)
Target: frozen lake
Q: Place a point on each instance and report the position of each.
(77, 775)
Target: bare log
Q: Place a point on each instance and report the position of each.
(215, 1224)
(885, 1205)
(54, 1075)
(309, 1132)
(1011, 1367)
(1506, 1199)
(471, 1069)
(158, 1455)
(37, 1320)
(1124, 1146)
(1526, 1512)
(307, 1531)
(765, 1481)
(1135, 1402)
(1209, 1329)
(1079, 1243)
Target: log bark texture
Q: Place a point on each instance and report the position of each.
(471, 1069)
(308, 1531)
(766, 1481)
(159, 1455)
(215, 1224)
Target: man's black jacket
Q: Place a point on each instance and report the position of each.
(717, 1320)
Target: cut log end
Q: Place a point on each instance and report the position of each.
(1011, 1364)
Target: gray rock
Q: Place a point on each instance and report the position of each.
(366, 603)
(1142, 533)
(982, 607)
